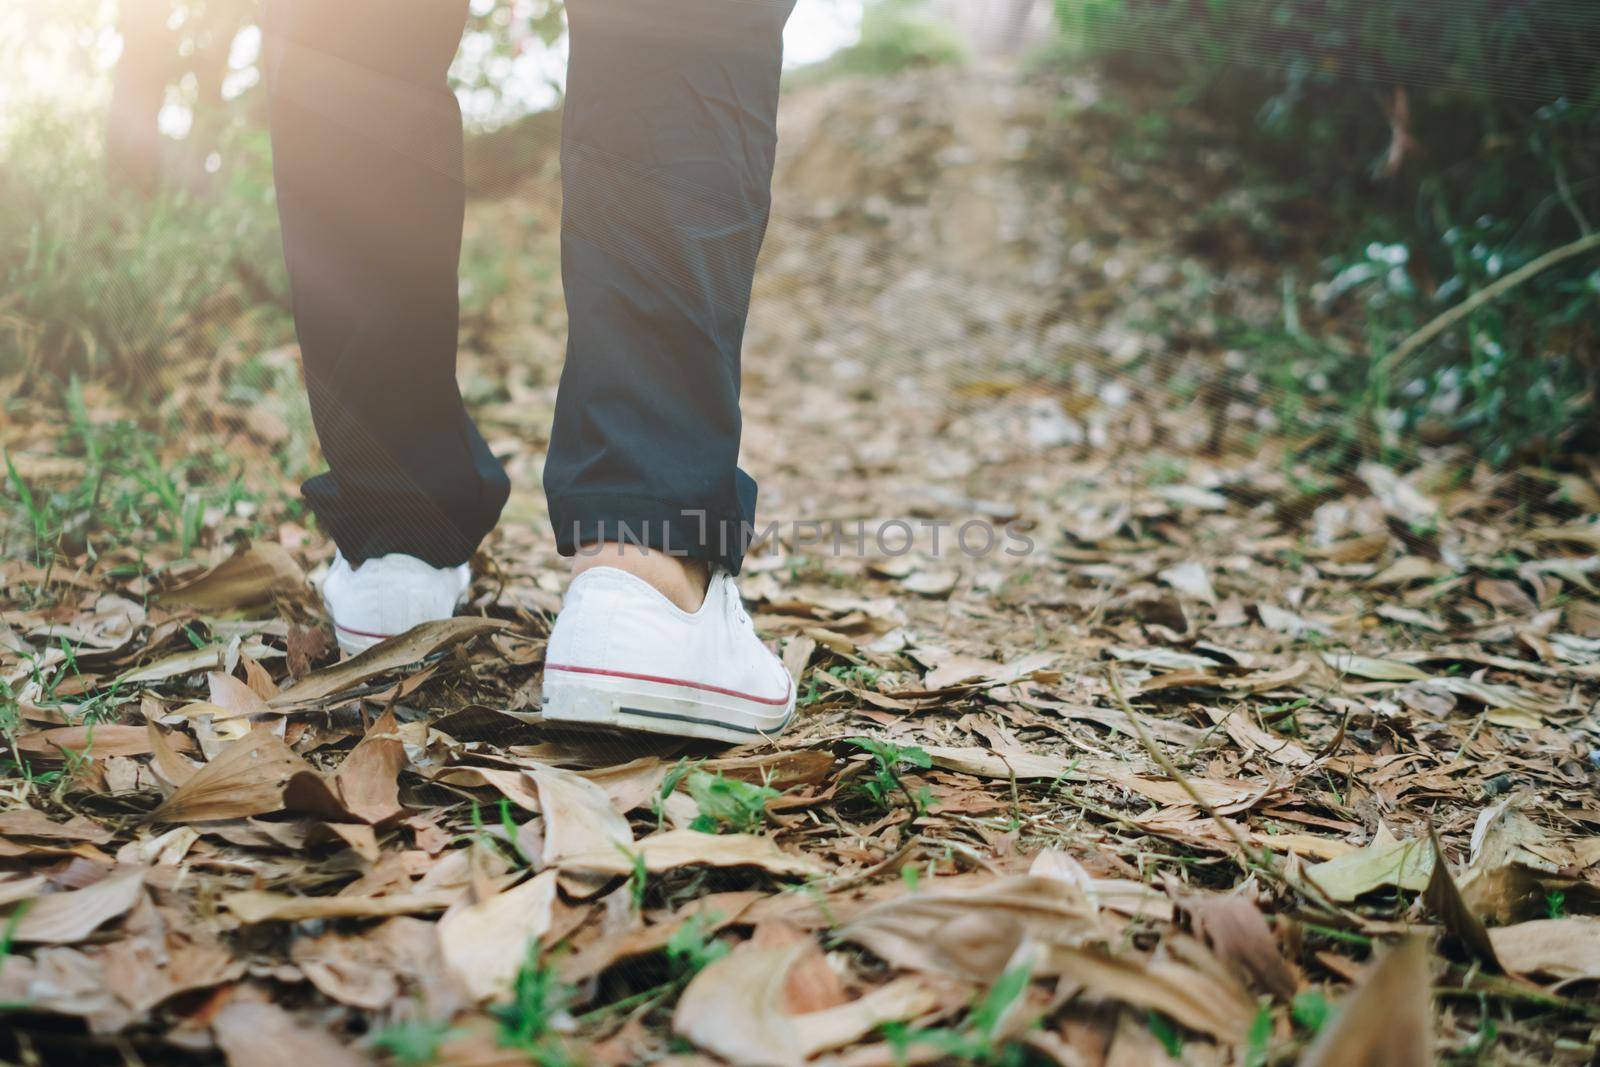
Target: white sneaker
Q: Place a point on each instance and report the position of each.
(386, 596)
(625, 656)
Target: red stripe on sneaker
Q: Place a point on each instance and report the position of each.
(777, 702)
(362, 633)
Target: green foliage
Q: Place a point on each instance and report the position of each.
(1487, 1035)
(127, 491)
(37, 515)
(813, 692)
(1310, 1011)
(100, 279)
(847, 673)
(1514, 383)
(1258, 1042)
(729, 804)
(509, 827)
(1166, 1032)
(692, 948)
(1555, 904)
(1309, 46)
(8, 934)
(538, 1003)
(502, 838)
(978, 1039)
(911, 877)
(1450, 143)
(886, 783)
(414, 1042)
(638, 876)
(670, 782)
(10, 713)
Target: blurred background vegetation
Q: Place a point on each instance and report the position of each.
(137, 181)
(1420, 151)
(1436, 146)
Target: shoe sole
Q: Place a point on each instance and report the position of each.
(660, 707)
(355, 643)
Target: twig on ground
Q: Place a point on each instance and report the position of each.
(887, 864)
(1483, 296)
(1257, 860)
(1263, 861)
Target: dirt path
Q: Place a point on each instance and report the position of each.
(1214, 709)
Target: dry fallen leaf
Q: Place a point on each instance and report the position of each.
(578, 817)
(28, 822)
(352, 969)
(188, 661)
(1226, 796)
(1290, 624)
(410, 647)
(972, 932)
(1514, 864)
(233, 697)
(259, 906)
(169, 766)
(630, 785)
(736, 1008)
(66, 981)
(1385, 862)
(1166, 659)
(159, 961)
(1380, 670)
(97, 742)
(991, 764)
(254, 576)
(1495, 697)
(1191, 580)
(949, 671)
(370, 966)
(246, 778)
(253, 1033)
(1563, 949)
(21, 887)
(366, 786)
(1387, 1021)
(1238, 933)
(1208, 1001)
(1444, 899)
(485, 943)
(368, 777)
(671, 849)
(1256, 740)
(1124, 896)
(1399, 497)
(69, 917)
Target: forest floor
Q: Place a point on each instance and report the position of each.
(1173, 749)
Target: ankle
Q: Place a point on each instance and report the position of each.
(681, 580)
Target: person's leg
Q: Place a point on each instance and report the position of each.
(367, 153)
(667, 153)
(681, 579)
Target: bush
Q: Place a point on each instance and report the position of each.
(101, 280)
(1452, 141)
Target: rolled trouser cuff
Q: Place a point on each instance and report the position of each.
(442, 528)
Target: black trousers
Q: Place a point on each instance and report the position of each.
(667, 153)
